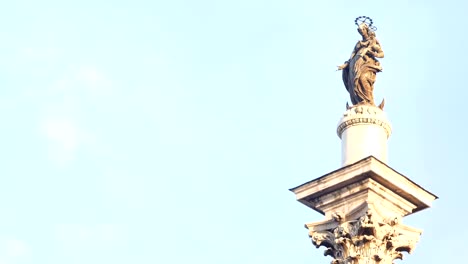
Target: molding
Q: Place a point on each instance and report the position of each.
(364, 115)
(401, 187)
(364, 121)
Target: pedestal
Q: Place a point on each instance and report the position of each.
(364, 131)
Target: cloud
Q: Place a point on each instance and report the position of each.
(75, 238)
(13, 250)
(16, 248)
(82, 83)
(69, 99)
(96, 83)
(64, 137)
(62, 132)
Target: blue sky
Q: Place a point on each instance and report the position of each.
(171, 131)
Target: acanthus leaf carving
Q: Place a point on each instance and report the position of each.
(364, 240)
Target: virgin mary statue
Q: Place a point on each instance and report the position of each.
(360, 70)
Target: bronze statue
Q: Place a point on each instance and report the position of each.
(360, 70)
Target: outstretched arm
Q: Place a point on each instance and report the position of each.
(346, 63)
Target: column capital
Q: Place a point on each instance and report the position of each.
(367, 239)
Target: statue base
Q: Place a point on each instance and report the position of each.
(364, 130)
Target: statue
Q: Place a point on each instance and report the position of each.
(360, 70)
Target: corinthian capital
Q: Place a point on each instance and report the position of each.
(368, 239)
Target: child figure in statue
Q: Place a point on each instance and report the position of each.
(360, 70)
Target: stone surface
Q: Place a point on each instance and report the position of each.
(364, 131)
(363, 204)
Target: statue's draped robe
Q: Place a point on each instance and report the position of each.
(359, 75)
